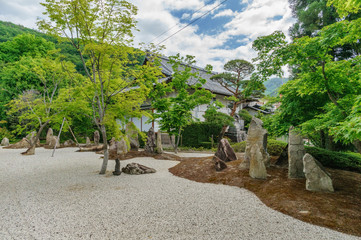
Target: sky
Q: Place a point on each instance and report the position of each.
(226, 33)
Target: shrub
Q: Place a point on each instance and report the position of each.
(246, 116)
(199, 134)
(274, 147)
(338, 160)
(239, 147)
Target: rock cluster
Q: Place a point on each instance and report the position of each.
(136, 169)
(296, 151)
(151, 142)
(317, 178)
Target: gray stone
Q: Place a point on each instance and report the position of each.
(296, 151)
(69, 143)
(31, 138)
(136, 169)
(96, 137)
(112, 146)
(49, 134)
(225, 152)
(53, 141)
(151, 143)
(219, 164)
(257, 135)
(317, 178)
(132, 133)
(257, 168)
(88, 142)
(159, 147)
(5, 142)
(121, 147)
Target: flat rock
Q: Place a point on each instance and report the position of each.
(137, 169)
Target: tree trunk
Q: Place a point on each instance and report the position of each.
(31, 149)
(176, 144)
(357, 144)
(105, 148)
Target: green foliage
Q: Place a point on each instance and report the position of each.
(217, 118)
(345, 7)
(246, 116)
(199, 134)
(239, 147)
(338, 160)
(174, 112)
(275, 147)
(5, 132)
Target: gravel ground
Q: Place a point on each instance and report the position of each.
(63, 197)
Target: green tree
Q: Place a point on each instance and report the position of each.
(37, 108)
(319, 71)
(234, 81)
(175, 101)
(100, 32)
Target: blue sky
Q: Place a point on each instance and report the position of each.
(226, 33)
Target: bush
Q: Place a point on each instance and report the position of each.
(338, 160)
(199, 134)
(274, 147)
(239, 147)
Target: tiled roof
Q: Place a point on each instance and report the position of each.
(210, 85)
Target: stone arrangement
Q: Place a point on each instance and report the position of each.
(49, 135)
(256, 156)
(151, 142)
(136, 169)
(132, 133)
(159, 146)
(96, 137)
(296, 151)
(5, 142)
(317, 178)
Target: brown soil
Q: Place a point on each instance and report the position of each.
(340, 210)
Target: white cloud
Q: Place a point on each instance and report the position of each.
(225, 13)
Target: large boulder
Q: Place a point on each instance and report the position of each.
(121, 147)
(96, 137)
(132, 133)
(317, 178)
(5, 142)
(136, 169)
(49, 134)
(257, 168)
(296, 151)
(54, 141)
(257, 136)
(151, 142)
(225, 152)
(159, 146)
(112, 146)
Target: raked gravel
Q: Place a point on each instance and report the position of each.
(64, 197)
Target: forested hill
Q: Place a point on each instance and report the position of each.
(9, 30)
(272, 85)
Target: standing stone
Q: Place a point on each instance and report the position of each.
(159, 148)
(151, 144)
(53, 141)
(296, 151)
(219, 165)
(96, 138)
(132, 133)
(225, 152)
(257, 136)
(49, 134)
(317, 179)
(112, 146)
(88, 142)
(257, 168)
(121, 147)
(5, 142)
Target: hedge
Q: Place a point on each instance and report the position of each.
(199, 134)
(274, 147)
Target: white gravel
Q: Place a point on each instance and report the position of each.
(63, 197)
